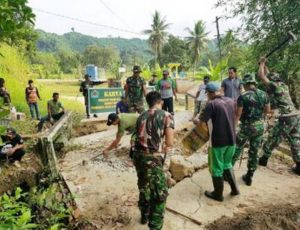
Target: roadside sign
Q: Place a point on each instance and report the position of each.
(103, 100)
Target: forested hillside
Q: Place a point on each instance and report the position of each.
(76, 42)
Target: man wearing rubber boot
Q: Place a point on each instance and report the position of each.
(219, 115)
(154, 136)
(251, 107)
(288, 124)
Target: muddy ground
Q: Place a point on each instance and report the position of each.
(106, 191)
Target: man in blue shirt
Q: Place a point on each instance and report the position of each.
(232, 86)
(122, 106)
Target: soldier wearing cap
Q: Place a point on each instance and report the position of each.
(135, 90)
(251, 107)
(220, 112)
(288, 124)
(125, 122)
(84, 87)
(167, 88)
(13, 149)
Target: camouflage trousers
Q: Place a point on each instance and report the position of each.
(253, 133)
(134, 107)
(285, 127)
(153, 189)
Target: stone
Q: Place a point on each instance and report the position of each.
(180, 168)
(167, 164)
(171, 182)
(198, 160)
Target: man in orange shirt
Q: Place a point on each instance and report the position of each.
(32, 95)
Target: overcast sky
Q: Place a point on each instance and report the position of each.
(129, 15)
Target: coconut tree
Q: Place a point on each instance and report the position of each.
(196, 41)
(157, 35)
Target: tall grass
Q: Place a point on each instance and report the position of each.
(15, 69)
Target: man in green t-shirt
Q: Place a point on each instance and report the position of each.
(167, 87)
(125, 122)
(55, 111)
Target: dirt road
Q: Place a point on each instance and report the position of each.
(106, 192)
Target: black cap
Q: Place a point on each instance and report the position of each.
(11, 130)
(136, 69)
(112, 117)
(206, 78)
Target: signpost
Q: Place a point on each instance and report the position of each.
(104, 100)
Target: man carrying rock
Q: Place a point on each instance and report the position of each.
(219, 114)
(125, 122)
(252, 105)
(55, 111)
(288, 124)
(154, 136)
(135, 90)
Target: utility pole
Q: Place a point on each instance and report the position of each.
(219, 44)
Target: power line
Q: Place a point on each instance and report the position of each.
(87, 22)
(113, 13)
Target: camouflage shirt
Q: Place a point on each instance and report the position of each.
(280, 97)
(253, 103)
(150, 129)
(134, 87)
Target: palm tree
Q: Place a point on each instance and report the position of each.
(196, 42)
(157, 35)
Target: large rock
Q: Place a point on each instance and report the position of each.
(198, 160)
(180, 168)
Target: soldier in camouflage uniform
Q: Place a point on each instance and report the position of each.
(288, 124)
(153, 127)
(135, 89)
(252, 105)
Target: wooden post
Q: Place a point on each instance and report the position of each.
(186, 102)
(60, 131)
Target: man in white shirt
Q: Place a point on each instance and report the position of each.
(201, 97)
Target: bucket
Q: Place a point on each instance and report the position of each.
(195, 139)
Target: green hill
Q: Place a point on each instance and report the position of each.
(76, 42)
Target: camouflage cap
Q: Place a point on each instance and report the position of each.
(273, 76)
(249, 78)
(136, 69)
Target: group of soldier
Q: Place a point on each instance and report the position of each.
(217, 108)
(220, 109)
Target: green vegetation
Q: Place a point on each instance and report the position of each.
(40, 208)
(16, 20)
(196, 42)
(157, 35)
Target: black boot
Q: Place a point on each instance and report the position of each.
(263, 161)
(247, 178)
(144, 218)
(297, 168)
(229, 174)
(217, 194)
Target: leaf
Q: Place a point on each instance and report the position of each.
(55, 227)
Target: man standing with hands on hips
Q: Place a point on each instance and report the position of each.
(167, 88)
